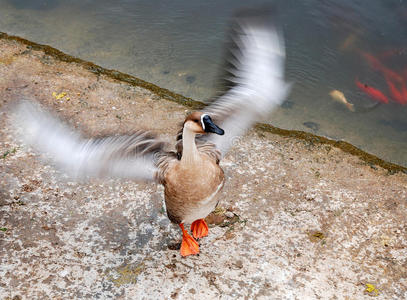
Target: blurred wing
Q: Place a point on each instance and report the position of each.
(258, 78)
(127, 156)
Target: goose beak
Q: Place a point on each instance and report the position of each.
(209, 126)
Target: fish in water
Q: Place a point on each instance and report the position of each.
(396, 95)
(372, 92)
(393, 75)
(348, 42)
(377, 65)
(374, 63)
(404, 93)
(340, 97)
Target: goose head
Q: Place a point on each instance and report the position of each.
(201, 123)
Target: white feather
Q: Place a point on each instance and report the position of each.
(259, 79)
(77, 156)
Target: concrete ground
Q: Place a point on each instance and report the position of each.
(297, 219)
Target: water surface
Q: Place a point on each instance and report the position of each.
(179, 45)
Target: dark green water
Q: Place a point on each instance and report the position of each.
(179, 45)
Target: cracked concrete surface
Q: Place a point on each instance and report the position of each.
(296, 220)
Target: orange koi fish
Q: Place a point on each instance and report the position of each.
(372, 92)
(374, 63)
(377, 65)
(392, 74)
(404, 93)
(395, 93)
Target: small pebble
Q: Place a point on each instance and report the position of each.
(311, 125)
(190, 78)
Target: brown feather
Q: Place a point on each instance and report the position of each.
(187, 189)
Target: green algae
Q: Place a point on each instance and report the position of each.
(312, 139)
(8, 152)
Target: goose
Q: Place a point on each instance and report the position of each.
(191, 174)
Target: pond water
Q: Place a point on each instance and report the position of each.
(179, 45)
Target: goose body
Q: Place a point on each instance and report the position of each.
(192, 182)
(191, 190)
(191, 175)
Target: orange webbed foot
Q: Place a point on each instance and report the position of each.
(199, 228)
(189, 245)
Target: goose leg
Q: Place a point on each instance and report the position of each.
(189, 245)
(199, 228)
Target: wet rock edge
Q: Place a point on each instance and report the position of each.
(166, 94)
